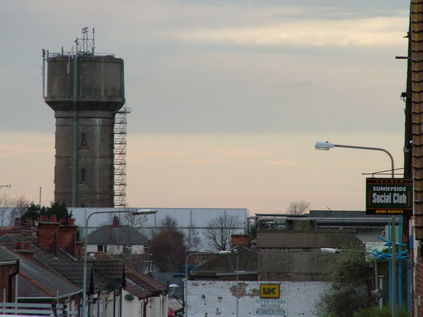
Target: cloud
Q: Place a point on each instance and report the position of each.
(218, 90)
(261, 172)
(218, 66)
(358, 32)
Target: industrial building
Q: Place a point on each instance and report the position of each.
(193, 222)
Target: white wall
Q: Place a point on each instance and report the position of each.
(132, 308)
(157, 306)
(117, 249)
(103, 305)
(218, 298)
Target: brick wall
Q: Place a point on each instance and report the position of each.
(47, 235)
(5, 272)
(24, 249)
(240, 239)
(418, 297)
(52, 235)
(67, 238)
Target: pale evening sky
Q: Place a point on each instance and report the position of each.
(227, 97)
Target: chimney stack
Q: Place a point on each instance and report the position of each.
(24, 249)
(240, 239)
(67, 236)
(18, 222)
(47, 233)
(115, 222)
(52, 234)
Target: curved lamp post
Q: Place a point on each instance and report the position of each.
(84, 281)
(186, 278)
(233, 251)
(326, 146)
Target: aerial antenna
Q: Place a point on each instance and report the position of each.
(85, 45)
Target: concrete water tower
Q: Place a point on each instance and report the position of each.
(85, 90)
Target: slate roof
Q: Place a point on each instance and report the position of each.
(41, 255)
(150, 285)
(123, 235)
(112, 270)
(62, 263)
(46, 273)
(135, 282)
(225, 264)
(8, 256)
(37, 281)
(136, 289)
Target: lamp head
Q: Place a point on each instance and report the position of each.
(139, 212)
(172, 288)
(330, 250)
(325, 146)
(233, 251)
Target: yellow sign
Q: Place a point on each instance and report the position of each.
(270, 290)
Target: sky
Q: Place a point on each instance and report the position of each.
(227, 98)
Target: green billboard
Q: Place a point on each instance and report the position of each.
(388, 196)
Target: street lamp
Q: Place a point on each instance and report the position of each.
(84, 281)
(326, 146)
(186, 278)
(235, 251)
(171, 291)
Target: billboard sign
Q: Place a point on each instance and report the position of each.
(270, 291)
(270, 302)
(388, 196)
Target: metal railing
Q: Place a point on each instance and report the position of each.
(37, 309)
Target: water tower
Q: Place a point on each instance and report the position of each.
(85, 90)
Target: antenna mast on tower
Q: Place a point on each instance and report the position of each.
(85, 45)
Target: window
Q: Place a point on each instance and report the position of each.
(83, 176)
(83, 139)
(102, 248)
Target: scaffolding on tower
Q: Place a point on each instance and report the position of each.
(120, 157)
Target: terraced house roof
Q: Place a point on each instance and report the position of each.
(37, 281)
(123, 235)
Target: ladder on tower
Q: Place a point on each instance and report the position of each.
(120, 157)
